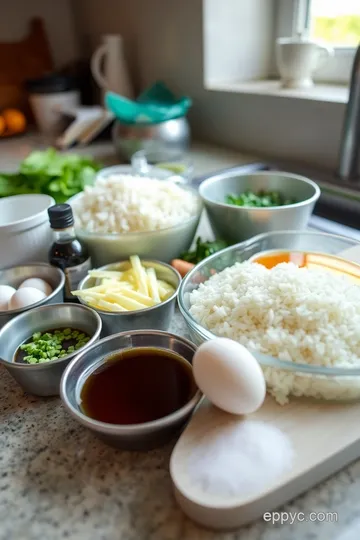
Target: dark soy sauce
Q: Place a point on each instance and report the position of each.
(138, 385)
(67, 252)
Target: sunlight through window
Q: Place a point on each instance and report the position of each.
(336, 22)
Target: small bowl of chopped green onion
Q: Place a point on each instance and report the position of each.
(242, 206)
(36, 347)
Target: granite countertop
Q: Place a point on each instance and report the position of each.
(58, 481)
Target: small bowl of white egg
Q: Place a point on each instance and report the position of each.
(25, 287)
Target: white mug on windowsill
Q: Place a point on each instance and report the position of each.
(297, 60)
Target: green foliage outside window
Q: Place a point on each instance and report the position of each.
(343, 30)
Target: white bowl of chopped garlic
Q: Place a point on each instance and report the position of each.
(131, 295)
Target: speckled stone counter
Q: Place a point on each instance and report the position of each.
(58, 481)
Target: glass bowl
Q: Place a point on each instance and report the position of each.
(151, 172)
(174, 163)
(161, 244)
(283, 377)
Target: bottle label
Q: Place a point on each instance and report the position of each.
(73, 276)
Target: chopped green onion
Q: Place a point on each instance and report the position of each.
(50, 345)
(262, 199)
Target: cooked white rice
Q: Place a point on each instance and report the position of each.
(124, 203)
(297, 314)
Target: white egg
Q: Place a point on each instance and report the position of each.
(37, 283)
(229, 375)
(25, 297)
(6, 293)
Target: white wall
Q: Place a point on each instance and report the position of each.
(59, 23)
(164, 40)
(238, 39)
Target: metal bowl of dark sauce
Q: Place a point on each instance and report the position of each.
(134, 390)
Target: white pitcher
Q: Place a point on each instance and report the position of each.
(109, 68)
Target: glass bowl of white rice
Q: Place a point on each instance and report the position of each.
(302, 325)
(125, 214)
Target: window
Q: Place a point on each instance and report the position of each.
(334, 22)
(239, 43)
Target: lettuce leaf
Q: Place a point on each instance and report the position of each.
(56, 174)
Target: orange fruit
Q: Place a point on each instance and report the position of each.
(14, 120)
(2, 125)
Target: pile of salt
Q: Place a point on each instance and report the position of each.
(240, 458)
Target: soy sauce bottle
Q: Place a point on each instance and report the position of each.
(67, 252)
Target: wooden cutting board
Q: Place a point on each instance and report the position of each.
(325, 437)
(22, 60)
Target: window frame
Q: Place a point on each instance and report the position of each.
(338, 68)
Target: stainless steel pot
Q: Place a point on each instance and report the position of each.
(171, 135)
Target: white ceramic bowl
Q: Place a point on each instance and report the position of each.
(25, 233)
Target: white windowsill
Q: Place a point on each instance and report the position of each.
(319, 92)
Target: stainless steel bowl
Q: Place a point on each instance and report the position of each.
(17, 274)
(170, 135)
(44, 379)
(157, 317)
(235, 223)
(138, 436)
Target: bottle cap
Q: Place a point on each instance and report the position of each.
(61, 216)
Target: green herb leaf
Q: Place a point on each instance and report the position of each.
(203, 250)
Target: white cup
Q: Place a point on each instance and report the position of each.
(47, 109)
(297, 60)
